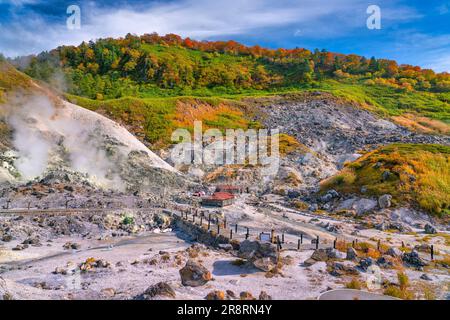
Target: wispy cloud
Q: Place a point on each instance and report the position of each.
(301, 20)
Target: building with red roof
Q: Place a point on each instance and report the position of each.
(219, 199)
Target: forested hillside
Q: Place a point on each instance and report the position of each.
(152, 65)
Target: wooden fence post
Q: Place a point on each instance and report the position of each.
(279, 243)
(298, 244)
(272, 236)
(231, 234)
(235, 228)
(225, 223)
(432, 252)
(334, 243)
(218, 229)
(317, 242)
(301, 238)
(247, 234)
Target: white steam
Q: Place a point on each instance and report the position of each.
(43, 133)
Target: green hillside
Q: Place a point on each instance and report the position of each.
(416, 173)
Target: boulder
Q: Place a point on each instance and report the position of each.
(394, 252)
(351, 254)
(414, 260)
(363, 206)
(108, 292)
(365, 263)
(193, 274)
(425, 277)
(385, 262)
(265, 264)
(323, 255)
(264, 296)
(385, 201)
(338, 269)
(263, 255)
(429, 229)
(215, 295)
(160, 289)
(245, 295)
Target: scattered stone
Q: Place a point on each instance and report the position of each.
(71, 245)
(338, 269)
(7, 238)
(162, 289)
(231, 294)
(245, 295)
(264, 296)
(429, 229)
(20, 247)
(109, 292)
(60, 270)
(265, 264)
(226, 246)
(365, 263)
(91, 263)
(385, 262)
(351, 254)
(425, 277)
(32, 241)
(193, 274)
(414, 260)
(394, 252)
(215, 295)
(385, 201)
(263, 255)
(423, 247)
(386, 175)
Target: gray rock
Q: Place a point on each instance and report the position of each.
(365, 263)
(425, 277)
(385, 262)
(193, 274)
(265, 264)
(394, 252)
(363, 206)
(338, 269)
(429, 229)
(351, 254)
(264, 296)
(385, 201)
(386, 175)
(414, 260)
(226, 246)
(159, 289)
(252, 250)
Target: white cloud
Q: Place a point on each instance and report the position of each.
(200, 19)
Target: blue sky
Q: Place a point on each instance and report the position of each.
(414, 31)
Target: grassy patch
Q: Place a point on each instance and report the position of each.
(409, 172)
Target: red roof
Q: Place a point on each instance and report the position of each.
(221, 196)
